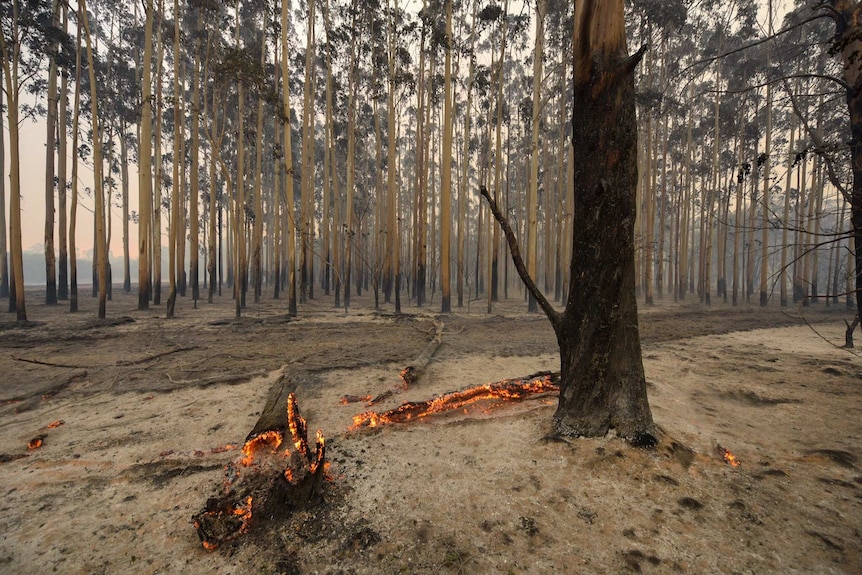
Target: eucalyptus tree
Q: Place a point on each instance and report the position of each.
(27, 34)
(145, 167)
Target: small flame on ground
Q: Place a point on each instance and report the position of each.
(55, 424)
(730, 458)
(35, 443)
(223, 448)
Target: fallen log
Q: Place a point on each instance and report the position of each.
(410, 374)
(269, 482)
(510, 389)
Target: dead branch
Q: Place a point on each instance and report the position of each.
(232, 377)
(48, 363)
(553, 315)
(410, 374)
(153, 357)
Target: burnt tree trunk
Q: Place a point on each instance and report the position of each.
(848, 43)
(602, 378)
(602, 383)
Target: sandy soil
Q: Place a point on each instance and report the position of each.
(148, 405)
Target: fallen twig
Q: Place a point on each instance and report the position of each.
(153, 357)
(47, 363)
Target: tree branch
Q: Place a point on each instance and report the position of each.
(514, 248)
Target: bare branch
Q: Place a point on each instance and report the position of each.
(553, 315)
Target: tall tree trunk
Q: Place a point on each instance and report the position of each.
(10, 55)
(533, 189)
(124, 177)
(176, 188)
(257, 229)
(50, 153)
(446, 170)
(785, 214)
(393, 238)
(307, 194)
(4, 260)
(290, 232)
(159, 172)
(194, 194)
(101, 247)
(764, 232)
(145, 168)
(73, 209)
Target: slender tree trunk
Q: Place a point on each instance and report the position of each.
(785, 215)
(194, 194)
(290, 232)
(145, 169)
(73, 209)
(392, 164)
(446, 170)
(50, 153)
(159, 173)
(257, 228)
(764, 232)
(176, 189)
(4, 260)
(10, 74)
(101, 247)
(533, 190)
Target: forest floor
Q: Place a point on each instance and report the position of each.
(147, 406)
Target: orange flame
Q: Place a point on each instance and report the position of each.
(244, 513)
(297, 425)
(270, 438)
(55, 424)
(730, 458)
(35, 443)
(510, 389)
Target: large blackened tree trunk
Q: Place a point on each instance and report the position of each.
(602, 384)
(602, 376)
(848, 40)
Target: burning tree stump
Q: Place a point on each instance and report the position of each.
(268, 482)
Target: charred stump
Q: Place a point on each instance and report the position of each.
(269, 482)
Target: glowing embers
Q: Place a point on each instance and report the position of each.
(270, 439)
(507, 390)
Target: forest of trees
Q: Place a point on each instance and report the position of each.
(328, 148)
